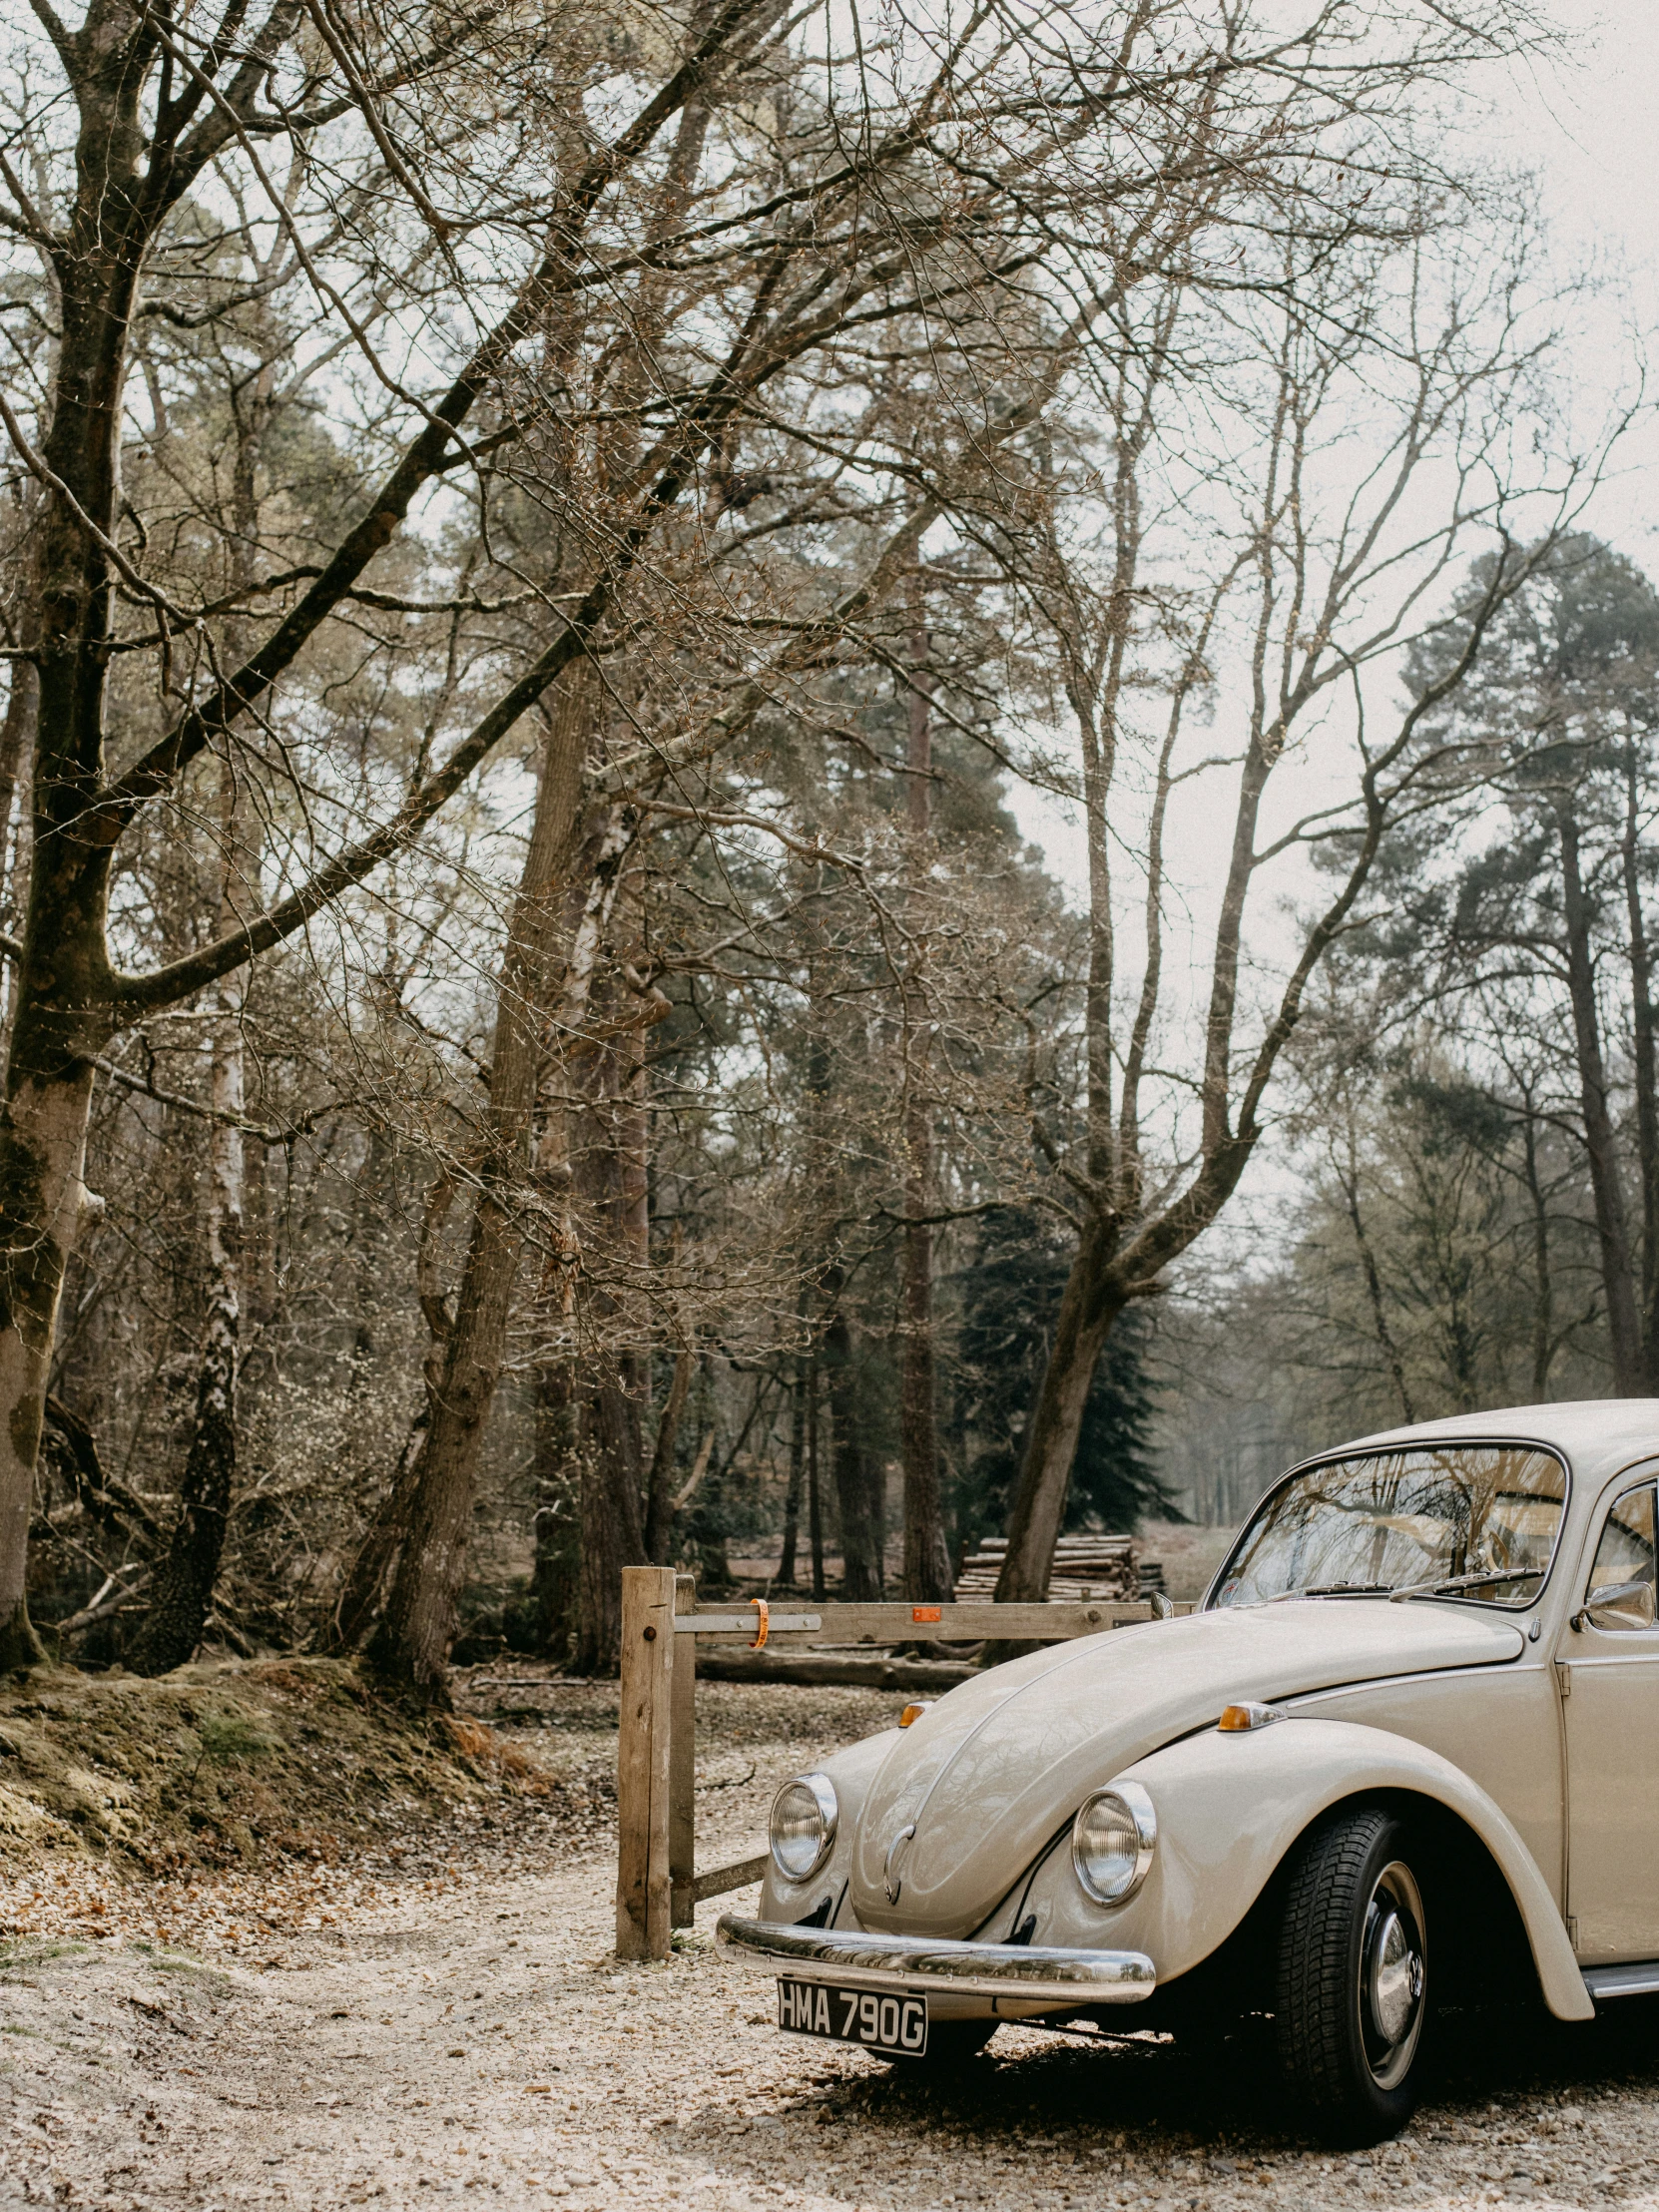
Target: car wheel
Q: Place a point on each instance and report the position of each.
(1352, 1976)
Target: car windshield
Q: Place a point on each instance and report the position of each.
(1486, 1516)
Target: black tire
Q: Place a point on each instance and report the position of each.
(1352, 1975)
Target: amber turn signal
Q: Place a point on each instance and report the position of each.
(914, 1712)
(1234, 1718)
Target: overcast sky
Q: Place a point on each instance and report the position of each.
(1586, 125)
(1590, 132)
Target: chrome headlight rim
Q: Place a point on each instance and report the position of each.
(823, 1790)
(1140, 1815)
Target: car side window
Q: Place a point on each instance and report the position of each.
(1626, 1551)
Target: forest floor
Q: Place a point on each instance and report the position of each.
(425, 2003)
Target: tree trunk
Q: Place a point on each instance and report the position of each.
(659, 1492)
(1612, 1234)
(411, 1647)
(1646, 1073)
(181, 1591)
(181, 1594)
(797, 1465)
(42, 1200)
(1544, 1292)
(365, 1580)
(555, 1600)
(610, 1175)
(927, 1576)
(1087, 1311)
(63, 1014)
(17, 751)
(856, 1495)
(612, 1538)
(1348, 1177)
(814, 1489)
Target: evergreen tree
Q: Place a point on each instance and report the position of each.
(1010, 1296)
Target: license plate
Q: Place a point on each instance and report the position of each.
(853, 2016)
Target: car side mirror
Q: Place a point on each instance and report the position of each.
(1617, 1605)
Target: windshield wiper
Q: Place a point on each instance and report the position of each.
(1466, 1582)
(1411, 1589)
(1333, 1589)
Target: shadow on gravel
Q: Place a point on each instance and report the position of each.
(1164, 2094)
(1523, 2051)
(1143, 2093)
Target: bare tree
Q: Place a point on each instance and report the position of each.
(466, 328)
(1330, 575)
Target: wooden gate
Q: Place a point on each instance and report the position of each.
(658, 1887)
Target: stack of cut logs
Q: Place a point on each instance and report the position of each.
(1084, 1567)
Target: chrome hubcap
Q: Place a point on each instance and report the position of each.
(1391, 1976)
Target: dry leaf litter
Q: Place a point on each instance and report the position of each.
(403, 1990)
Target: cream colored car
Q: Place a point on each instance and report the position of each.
(1407, 1746)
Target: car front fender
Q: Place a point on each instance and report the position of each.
(1229, 1807)
(851, 1771)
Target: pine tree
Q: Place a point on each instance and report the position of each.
(1010, 1296)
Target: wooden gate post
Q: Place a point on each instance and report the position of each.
(644, 1735)
(682, 1764)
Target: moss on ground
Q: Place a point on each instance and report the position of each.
(215, 1765)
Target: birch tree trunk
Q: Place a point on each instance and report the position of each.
(17, 748)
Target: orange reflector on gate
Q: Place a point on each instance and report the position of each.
(1236, 1719)
(925, 1612)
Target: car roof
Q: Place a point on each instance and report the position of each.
(1596, 1435)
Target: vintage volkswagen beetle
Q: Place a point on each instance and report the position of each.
(1407, 1746)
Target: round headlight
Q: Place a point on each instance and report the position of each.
(1112, 1842)
(803, 1815)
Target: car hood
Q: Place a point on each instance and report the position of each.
(992, 1771)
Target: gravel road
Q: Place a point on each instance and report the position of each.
(455, 2021)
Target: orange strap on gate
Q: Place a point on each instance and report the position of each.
(765, 1622)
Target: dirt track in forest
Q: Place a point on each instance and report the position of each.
(456, 2022)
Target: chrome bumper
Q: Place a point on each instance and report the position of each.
(910, 1965)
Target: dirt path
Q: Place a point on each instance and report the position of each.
(458, 2024)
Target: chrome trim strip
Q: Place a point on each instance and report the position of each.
(914, 1965)
(1638, 1980)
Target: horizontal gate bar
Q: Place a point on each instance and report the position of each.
(746, 1624)
(718, 1882)
(901, 1623)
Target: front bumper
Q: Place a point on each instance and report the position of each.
(911, 1966)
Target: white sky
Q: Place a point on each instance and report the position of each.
(1587, 131)
(1585, 126)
